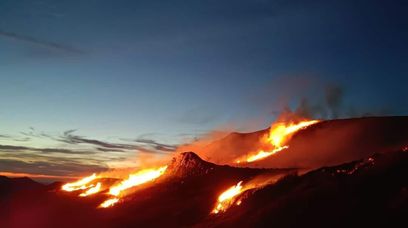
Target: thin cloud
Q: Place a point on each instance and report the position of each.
(28, 155)
(63, 168)
(70, 138)
(156, 145)
(43, 150)
(25, 139)
(14, 138)
(79, 155)
(39, 42)
(57, 161)
(109, 149)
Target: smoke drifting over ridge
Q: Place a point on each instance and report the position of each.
(326, 143)
(327, 103)
(328, 108)
(313, 96)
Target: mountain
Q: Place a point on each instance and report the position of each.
(10, 186)
(357, 176)
(189, 164)
(327, 143)
(369, 192)
(183, 196)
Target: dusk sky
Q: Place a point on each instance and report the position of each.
(86, 85)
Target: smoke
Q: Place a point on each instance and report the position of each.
(301, 99)
(198, 145)
(142, 160)
(334, 97)
(222, 148)
(314, 97)
(327, 143)
(328, 105)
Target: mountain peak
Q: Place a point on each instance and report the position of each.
(189, 164)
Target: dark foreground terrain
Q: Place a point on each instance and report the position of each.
(371, 191)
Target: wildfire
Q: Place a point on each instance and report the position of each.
(92, 190)
(278, 136)
(133, 180)
(227, 198)
(138, 178)
(276, 140)
(231, 196)
(263, 154)
(109, 203)
(79, 185)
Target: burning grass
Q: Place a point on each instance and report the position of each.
(276, 140)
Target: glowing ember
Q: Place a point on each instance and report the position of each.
(79, 185)
(227, 198)
(92, 190)
(109, 203)
(138, 178)
(279, 134)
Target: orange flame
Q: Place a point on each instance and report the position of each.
(80, 184)
(133, 180)
(92, 190)
(109, 203)
(263, 154)
(231, 196)
(227, 198)
(278, 136)
(136, 179)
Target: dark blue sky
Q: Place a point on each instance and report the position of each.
(167, 70)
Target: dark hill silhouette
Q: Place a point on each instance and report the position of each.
(371, 190)
(368, 193)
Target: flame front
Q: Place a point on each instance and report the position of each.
(227, 198)
(133, 180)
(92, 190)
(136, 179)
(278, 136)
(109, 203)
(279, 133)
(276, 141)
(263, 154)
(232, 196)
(79, 185)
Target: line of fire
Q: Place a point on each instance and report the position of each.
(275, 141)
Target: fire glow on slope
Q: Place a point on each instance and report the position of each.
(80, 184)
(278, 136)
(227, 198)
(232, 196)
(138, 178)
(92, 190)
(109, 203)
(133, 180)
